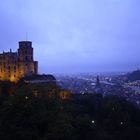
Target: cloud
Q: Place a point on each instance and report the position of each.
(75, 35)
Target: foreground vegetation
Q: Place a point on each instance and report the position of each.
(24, 116)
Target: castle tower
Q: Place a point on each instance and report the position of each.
(27, 65)
(25, 51)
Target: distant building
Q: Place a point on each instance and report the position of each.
(98, 89)
(15, 65)
(64, 94)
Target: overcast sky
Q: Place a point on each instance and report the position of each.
(74, 35)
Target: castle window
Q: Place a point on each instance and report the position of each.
(26, 58)
(9, 67)
(14, 75)
(28, 44)
(14, 67)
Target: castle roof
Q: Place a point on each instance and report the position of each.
(25, 41)
(8, 53)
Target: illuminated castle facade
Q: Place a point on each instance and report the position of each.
(15, 65)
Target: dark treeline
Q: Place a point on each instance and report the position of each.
(24, 116)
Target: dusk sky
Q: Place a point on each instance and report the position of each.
(71, 36)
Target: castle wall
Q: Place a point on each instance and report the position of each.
(8, 66)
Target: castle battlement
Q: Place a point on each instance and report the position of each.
(15, 65)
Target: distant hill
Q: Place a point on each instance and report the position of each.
(135, 75)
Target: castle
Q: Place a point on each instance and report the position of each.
(15, 65)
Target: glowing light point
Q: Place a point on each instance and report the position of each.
(93, 122)
(26, 97)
